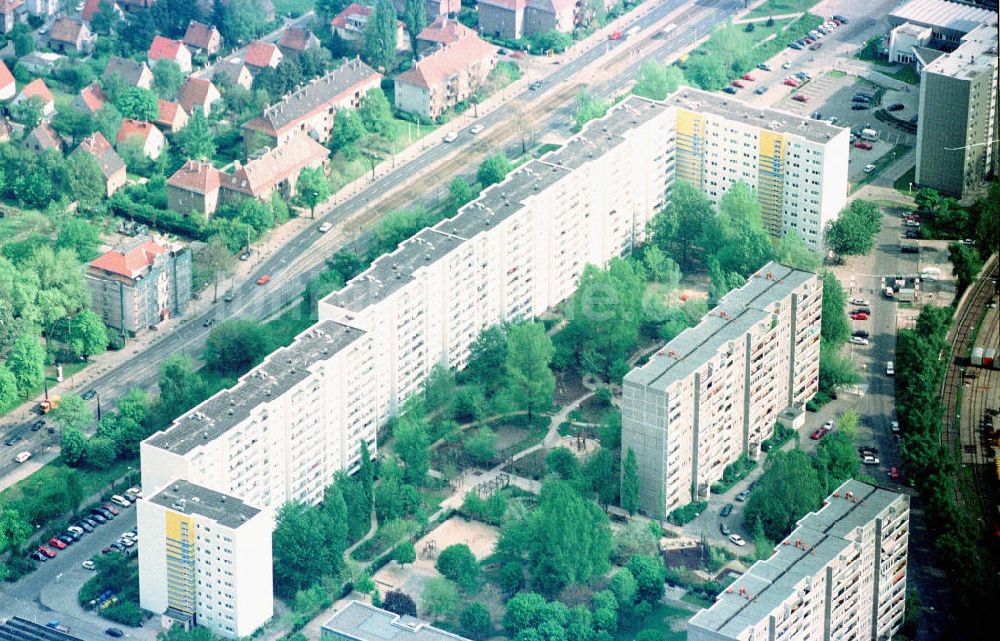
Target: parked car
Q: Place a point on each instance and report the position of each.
(325, 227)
(85, 526)
(861, 333)
(795, 45)
(724, 529)
(786, 64)
(101, 512)
(890, 369)
(535, 86)
(862, 144)
(89, 394)
(816, 46)
(37, 425)
(12, 439)
(46, 551)
(737, 540)
(264, 280)
(75, 528)
(894, 427)
(816, 115)
(134, 491)
(896, 106)
(476, 129)
(894, 473)
(727, 509)
(862, 310)
(819, 433)
(615, 35)
(738, 84)
(791, 82)
(22, 457)
(760, 90)
(111, 508)
(88, 564)
(764, 66)
(870, 460)
(114, 632)
(742, 496)
(38, 556)
(747, 76)
(858, 301)
(120, 500)
(245, 256)
(729, 90)
(57, 544)
(869, 168)
(858, 107)
(858, 316)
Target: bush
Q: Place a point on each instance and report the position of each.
(686, 514)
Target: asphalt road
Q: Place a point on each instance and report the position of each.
(293, 265)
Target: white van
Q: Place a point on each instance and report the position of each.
(890, 369)
(22, 457)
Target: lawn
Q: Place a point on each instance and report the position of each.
(780, 7)
(903, 183)
(668, 620)
(293, 7)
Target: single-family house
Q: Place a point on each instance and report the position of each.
(111, 164)
(8, 86)
(91, 7)
(549, 15)
(233, 72)
(502, 18)
(90, 99)
(172, 116)
(168, 49)
(70, 34)
(198, 94)
(350, 24)
(143, 134)
(447, 76)
(37, 89)
(297, 40)
(194, 188)
(43, 138)
(132, 72)
(42, 8)
(276, 170)
(203, 39)
(260, 55)
(442, 31)
(310, 109)
(41, 62)
(11, 12)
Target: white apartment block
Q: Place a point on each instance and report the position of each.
(205, 559)
(841, 574)
(716, 390)
(798, 166)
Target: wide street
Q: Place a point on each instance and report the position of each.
(292, 265)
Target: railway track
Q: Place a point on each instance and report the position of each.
(964, 438)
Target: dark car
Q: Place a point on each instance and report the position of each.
(114, 632)
(13, 438)
(912, 233)
(208, 322)
(841, 18)
(860, 333)
(896, 106)
(100, 513)
(118, 547)
(85, 525)
(89, 394)
(729, 90)
(535, 86)
(37, 425)
(69, 538)
(727, 509)
(725, 529)
(859, 106)
(742, 496)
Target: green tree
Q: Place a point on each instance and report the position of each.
(167, 78)
(24, 40)
(327, 9)
(524, 610)
(853, 232)
(79, 235)
(966, 263)
(630, 483)
(650, 575)
(375, 112)
(602, 469)
(761, 545)
(26, 361)
(347, 131)
(101, 453)
(27, 112)
(460, 193)
(834, 327)
(657, 81)
(256, 214)
(475, 622)
(72, 413)
(400, 603)
(234, 346)
(404, 554)
(242, 21)
(625, 588)
(196, 139)
(707, 72)
(74, 123)
(8, 389)
(380, 37)
(678, 229)
(105, 19)
(88, 335)
(415, 18)
(529, 354)
(746, 246)
(791, 250)
(180, 386)
(440, 598)
(562, 462)
(213, 262)
(314, 188)
(138, 104)
(480, 445)
(493, 170)
(108, 120)
(456, 562)
(787, 490)
(589, 108)
(835, 371)
(487, 356)
(835, 460)
(295, 565)
(73, 445)
(413, 448)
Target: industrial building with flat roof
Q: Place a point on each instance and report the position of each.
(840, 574)
(358, 621)
(715, 391)
(948, 21)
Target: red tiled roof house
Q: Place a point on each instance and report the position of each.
(37, 89)
(167, 49)
(297, 40)
(143, 134)
(172, 116)
(8, 86)
(90, 99)
(350, 24)
(201, 38)
(446, 77)
(261, 55)
(443, 31)
(70, 34)
(194, 188)
(198, 94)
(111, 164)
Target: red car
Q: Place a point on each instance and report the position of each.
(808, 41)
(264, 280)
(617, 35)
(861, 144)
(820, 433)
(894, 473)
(747, 76)
(46, 551)
(791, 82)
(859, 316)
(112, 509)
(56, 543)
(737, 83)
(800, 98)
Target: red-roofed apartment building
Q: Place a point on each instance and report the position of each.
(37, 89)
(310, 109)
(198, 94)
(140, 284)
(443, 31)
(446, 77)
(350, 24)
(90, 99)
(194, 188)
(172, 116)
(261, 55)
(277, 170)
(111, 164)
(141, 133)
(167, 49)
(8, 86)
(202, 38)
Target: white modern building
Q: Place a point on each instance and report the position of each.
(205, 559)
(358, 621)
(798, 166)
(841, 574)
(715, 391)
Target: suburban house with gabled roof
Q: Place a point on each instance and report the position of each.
(142, 133)
(90, 99)
(11, 12)
(442, 31)
(311, 108)
(37, 89)
(198, 94)
(276, 170)
(90, 8)
(297, 40)
(194, 188)
(140, 284)
(43, 138)
(132, 72)
(201, 38)
(172, 116)
(350, 24)
(111, 164)
(167, 49)
(69, 34)
(234, 72)
(261, 55)
(444, 78)
(8, 86)
(502, 18)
